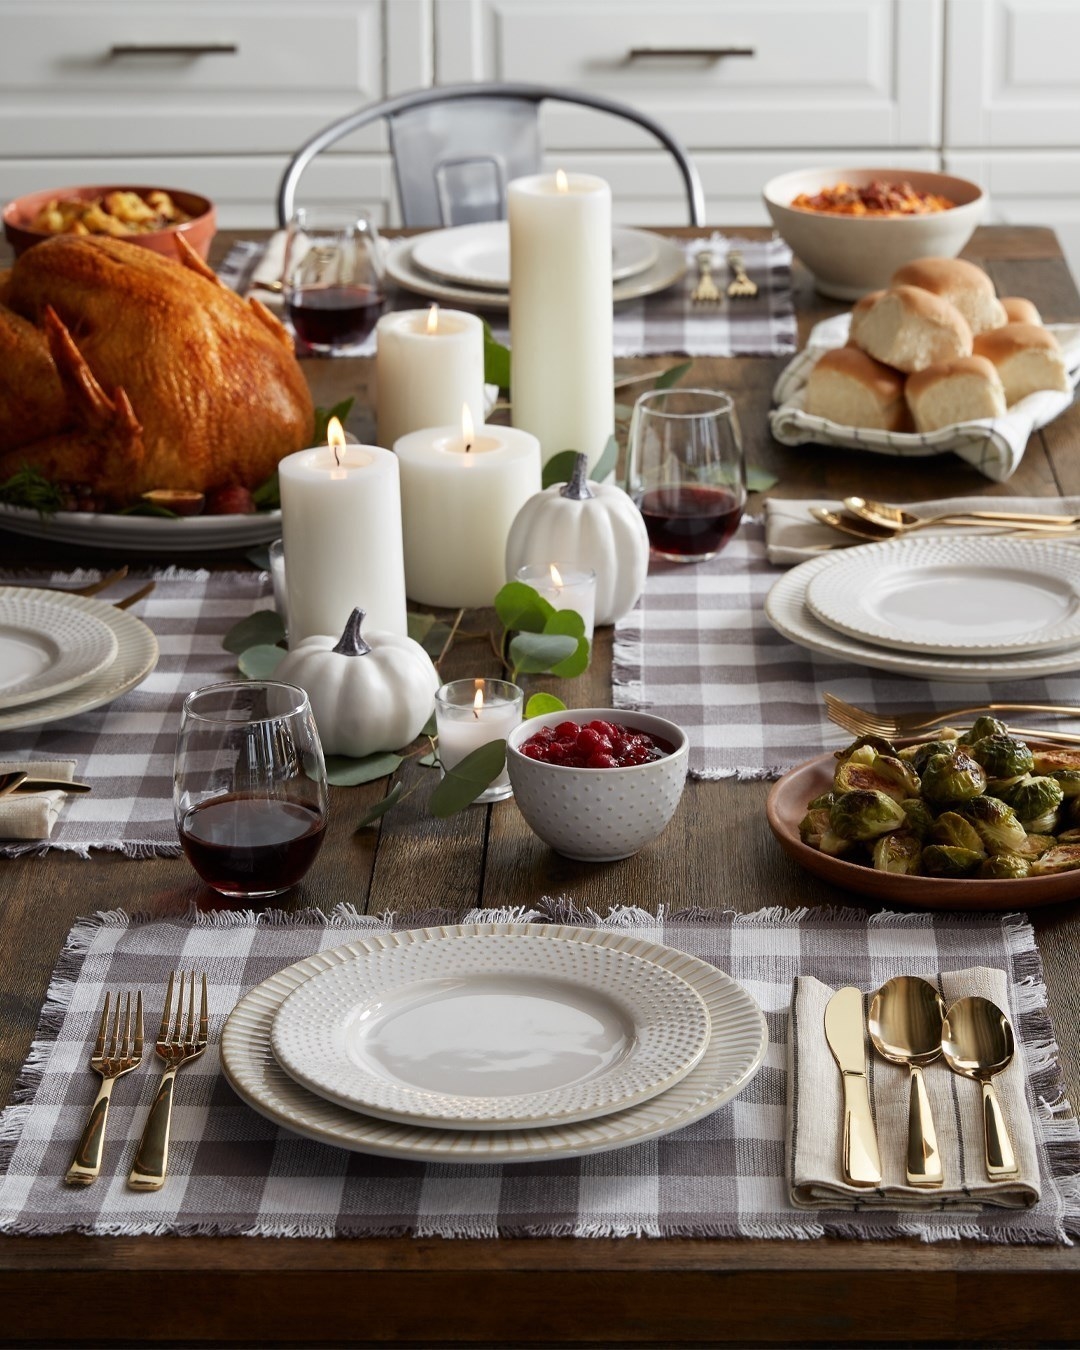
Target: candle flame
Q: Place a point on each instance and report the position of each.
(468, 431)
(562, 183)
(556, 578)
(478, 698)
(335, 437)
(433, 319)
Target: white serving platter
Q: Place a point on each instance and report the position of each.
(144, 534)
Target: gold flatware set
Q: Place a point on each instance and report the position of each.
(872, 522)
(182, 1037)
(909, 1026)
(707, 292)
(897, 726)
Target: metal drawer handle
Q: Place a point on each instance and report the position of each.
(174, 49)
(703, 53)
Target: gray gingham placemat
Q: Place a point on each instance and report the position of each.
(698, 649)
(125, 749)
(664, 323)
(233, 1172)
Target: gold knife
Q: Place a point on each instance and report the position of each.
(845, 1032)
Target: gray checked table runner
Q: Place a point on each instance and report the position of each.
(727, 1175)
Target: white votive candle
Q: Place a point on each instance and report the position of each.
(428, 362)
(561, 362)
(469, 714)
(341, 531)
(564, 586)
(460, 492)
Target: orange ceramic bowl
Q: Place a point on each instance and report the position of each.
(198, 231)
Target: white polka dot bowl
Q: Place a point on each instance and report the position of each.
(598, 815)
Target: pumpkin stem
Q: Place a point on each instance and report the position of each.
(351, 642)
(578, 490)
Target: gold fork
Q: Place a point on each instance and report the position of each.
(706, 292)
(179, 1041)
(740, 287)
(863, 722)
(113, 1056)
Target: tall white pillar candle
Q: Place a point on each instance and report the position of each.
(341, 530)
(561, 365)
(460, 492)
(427, 364)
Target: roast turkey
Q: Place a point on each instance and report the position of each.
(123, 371)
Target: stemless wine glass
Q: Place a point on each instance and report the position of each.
(686, 471)
(332, 278)
(249, 786)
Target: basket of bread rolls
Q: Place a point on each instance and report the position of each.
(934, 363)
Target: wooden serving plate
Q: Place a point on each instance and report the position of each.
(786, 806)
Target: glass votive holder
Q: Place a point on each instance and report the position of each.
(469, 714)
(564, 585)
(277, 578)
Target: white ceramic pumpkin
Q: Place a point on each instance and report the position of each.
(366, 694)
(592, 524)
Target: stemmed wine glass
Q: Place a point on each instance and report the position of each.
(686, 471)
(332, 278)
(249, 786)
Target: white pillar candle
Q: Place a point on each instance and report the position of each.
(427, 364)
(469, 714)
(341, 530)
(561, 365)
(460, 492)
(564, 586)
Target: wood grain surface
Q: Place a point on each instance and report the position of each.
(718, 852)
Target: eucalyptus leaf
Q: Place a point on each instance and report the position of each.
(539, 704)
(605, 465)
(323, 415)
(434, 639)
(535, 653)
(496, 360)
(566, 621)
(429, 760)
(419, 625)
(575, 663)
(259, 557)
(267, 496)
(380, 808)
(430, 727)
(343, 771)
(623, 412)
(522, 608)
(672, 375)
(760, 480)
(260, 662)
(559, 468)
(264, 628)
(467, 779)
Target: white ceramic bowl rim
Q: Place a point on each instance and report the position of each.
(661, 726)
(780, 190)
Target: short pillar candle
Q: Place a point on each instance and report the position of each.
(428, 362)
(469, 714)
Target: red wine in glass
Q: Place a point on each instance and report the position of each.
(250, 846)
(334, 316)
(688, 521)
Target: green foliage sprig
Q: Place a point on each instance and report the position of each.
(29, 489)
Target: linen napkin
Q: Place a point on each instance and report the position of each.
(995, 446)
(32, 815)
(816, 1115)
(792, 535)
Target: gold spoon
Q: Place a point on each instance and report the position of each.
(851, 525)
(977, 1040)
(906, 1016)
(895, 518)
(21, 783)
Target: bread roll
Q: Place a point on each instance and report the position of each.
(961, 390)
(909, 328)
(1019, 310)
(851, 388)
(1027, 359)
(961, 283)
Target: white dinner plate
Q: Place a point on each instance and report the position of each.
(961, 595)
(479, 255)
(669, 267)
(46, 648)
(737, 1045)
(787, 611)
(490, 1031)
(136, 656)
(144, 534)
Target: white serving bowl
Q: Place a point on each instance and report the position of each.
(851, 255)
(598, 815)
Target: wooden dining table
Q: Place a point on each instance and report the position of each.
(203, 1291)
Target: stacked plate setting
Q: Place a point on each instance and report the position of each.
(492, 1043)
(62, 654)
(470, 264)
(961, 607)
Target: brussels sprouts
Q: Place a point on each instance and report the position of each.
(813, 825)
(898, 852)
(1068, 837)
(920, 818)
(1034, 799)
(878, 744)
(885, 774)
(1068, 780)
(864, 815)
(981, 727)
(995, 823)
(1064, 858)
(955, 777)
(1003, 866)
(825, 799)
(1046, 761)
(921, 753)
(834, 844)
(1035, 845)
(953, 829)
(943, 860)
(1003, 757)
